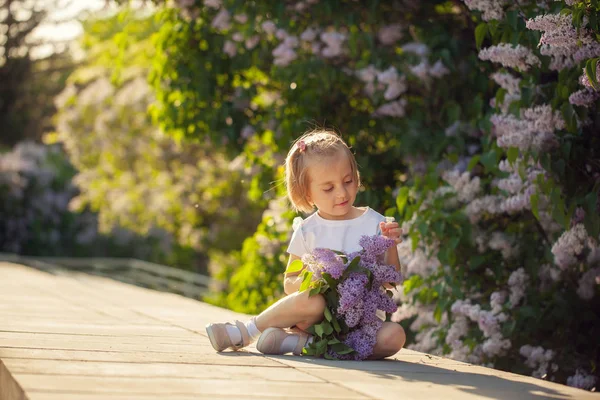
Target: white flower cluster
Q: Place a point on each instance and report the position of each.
(565, 44)
(588, 284)
(32, 197)
(489, 204)
(548, 275)
(392, 83)
(285, 52)
(487, 321)
(585, 81)
(518, 57)
(534, 130)
(425, 71)
(466, 188)
(490, 9)
(513, 92)
(584, 97)
(417, 262)
(538, 359)
(501, 242)
(517, 284)
(508, 82)
(390, 34)
(569, 246)
(582, 380)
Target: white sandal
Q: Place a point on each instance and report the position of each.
(271, 339)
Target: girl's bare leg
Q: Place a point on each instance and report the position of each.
(390, 339)
(296, 309)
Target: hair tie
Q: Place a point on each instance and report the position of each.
(301, 145)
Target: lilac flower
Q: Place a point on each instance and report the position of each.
(332, 263)
(363, 340)
(375, 246)
(384, 274)
(355, 313)
(351, 291)
(358, 302)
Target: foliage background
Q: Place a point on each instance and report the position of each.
(473, 123)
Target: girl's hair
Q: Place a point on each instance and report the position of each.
(317, 143)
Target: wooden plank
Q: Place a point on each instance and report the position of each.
(192, 340)
(63, 343)
(243, 358)
(156, 370)
(141, 330)
(9, 388)
(33, 395)
(264, 387)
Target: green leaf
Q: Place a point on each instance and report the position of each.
(336, 325)
(402, 199)
(327, 328)
(473, 162)
(511, 19)
(333, 341)
(592, 218)
(490, 160)
(534, 200)
(321, 347)
(481, 32)
(437, 314)
(342, 348)
(328, 315)
(327, 356)
(319, 330)
(332, 283)
(590, 71)
(308, 351)
(454, 242)
(306, 281)
(315, 290)
(512, 154)
(295, 266)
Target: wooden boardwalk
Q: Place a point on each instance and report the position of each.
(76, 336)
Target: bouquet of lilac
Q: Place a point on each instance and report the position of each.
(352, 285)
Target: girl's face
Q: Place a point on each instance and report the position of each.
(332, 187)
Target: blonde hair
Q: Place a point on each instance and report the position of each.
(317, 143)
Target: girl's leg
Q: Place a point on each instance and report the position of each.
(390, 339)
(296, 309)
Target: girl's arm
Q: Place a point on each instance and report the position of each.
(292, 282)
(393, 231)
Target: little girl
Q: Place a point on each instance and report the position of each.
(320, 173)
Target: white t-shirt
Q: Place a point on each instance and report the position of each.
(342, 235)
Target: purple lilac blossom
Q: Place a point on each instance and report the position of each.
(375, 246)
(362, 340)
(351, 290)
(384, 274)
(358, 304)
(332, 263)
(355, 313)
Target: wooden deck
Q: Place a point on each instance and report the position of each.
(77, 336)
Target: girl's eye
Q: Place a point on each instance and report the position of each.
(349, 182)
(328, 190)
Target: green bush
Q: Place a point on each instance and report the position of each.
(188, 198)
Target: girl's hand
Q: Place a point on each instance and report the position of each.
(391, 230)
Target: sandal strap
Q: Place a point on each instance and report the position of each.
(245, 336)
(302, 339)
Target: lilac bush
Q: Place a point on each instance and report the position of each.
(475, 123)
